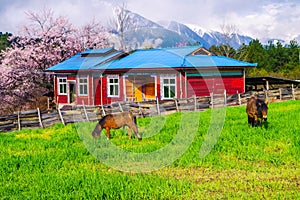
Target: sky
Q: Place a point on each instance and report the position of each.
(272, 19)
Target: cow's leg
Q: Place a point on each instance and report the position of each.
(255, 120)
(260, 122)
(249, 120)
(108, 133)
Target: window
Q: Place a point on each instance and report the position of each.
(62, 86)
(168, 87)
(83, 86)
(113, 85)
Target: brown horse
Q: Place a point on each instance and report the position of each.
(257, 110)
(115, 121)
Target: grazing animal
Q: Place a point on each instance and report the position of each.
(257, 110)
(115, 121)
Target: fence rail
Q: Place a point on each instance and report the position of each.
(73, 114)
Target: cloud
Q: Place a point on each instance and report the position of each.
(269, 18)
(276, 20)
(13, 15)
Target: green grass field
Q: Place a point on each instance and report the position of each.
(65, 162)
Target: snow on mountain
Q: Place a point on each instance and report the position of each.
(274, 41)
(198, 29)
(217, 38)
(141, 31)
(135, 21)
(184, 31)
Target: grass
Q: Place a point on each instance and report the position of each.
(253, 163)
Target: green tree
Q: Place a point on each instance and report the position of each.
(281, 57)
(223, 50)
(4, 40)
(293, 55)
(241, 52)
(256, 53)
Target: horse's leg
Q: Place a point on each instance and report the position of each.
(129, 132)
(133, 126)
(108, 133)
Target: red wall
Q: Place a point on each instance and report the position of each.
(62, 99)
(200, 86)
(103, 86)
(190, 86)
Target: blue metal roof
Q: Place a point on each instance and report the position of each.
(152, 58)
(214, 61)
(85, 60)
(172, 58)
(148, 59)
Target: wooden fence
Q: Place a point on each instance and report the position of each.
(72, 114)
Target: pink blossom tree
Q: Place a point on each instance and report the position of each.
(44, 42)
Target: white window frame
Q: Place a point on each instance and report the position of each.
(84, 86)
(62, 85)
(169, 85)
(115, 85)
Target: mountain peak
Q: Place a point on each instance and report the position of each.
(172, 33)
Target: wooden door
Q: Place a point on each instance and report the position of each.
(150, 91)
(138, 93)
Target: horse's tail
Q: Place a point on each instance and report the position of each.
(134, 119)
(97, 130)
(135, 127)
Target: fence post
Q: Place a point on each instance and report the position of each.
(225, 98)
(103, 111)
(195, 102)
(40, 118)
(19, 121)
(212, 99)
(176, 104)
(120, 106)
(85, 113)
(266, 95)
(61, 117)
(239, 98)
(293, 92)
(280, 94)
(57, 103)
(157, 106)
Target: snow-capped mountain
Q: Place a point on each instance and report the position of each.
(142, 32)
(273, 41)
(184, 31)
(134, 20)
(217, 38)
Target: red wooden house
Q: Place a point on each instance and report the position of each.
(102, 76)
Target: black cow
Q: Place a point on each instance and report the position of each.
(257, 110)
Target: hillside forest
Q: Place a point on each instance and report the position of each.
(276, 60)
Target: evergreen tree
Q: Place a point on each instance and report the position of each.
(4, 41)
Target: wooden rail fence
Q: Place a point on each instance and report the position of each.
(73, 114)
